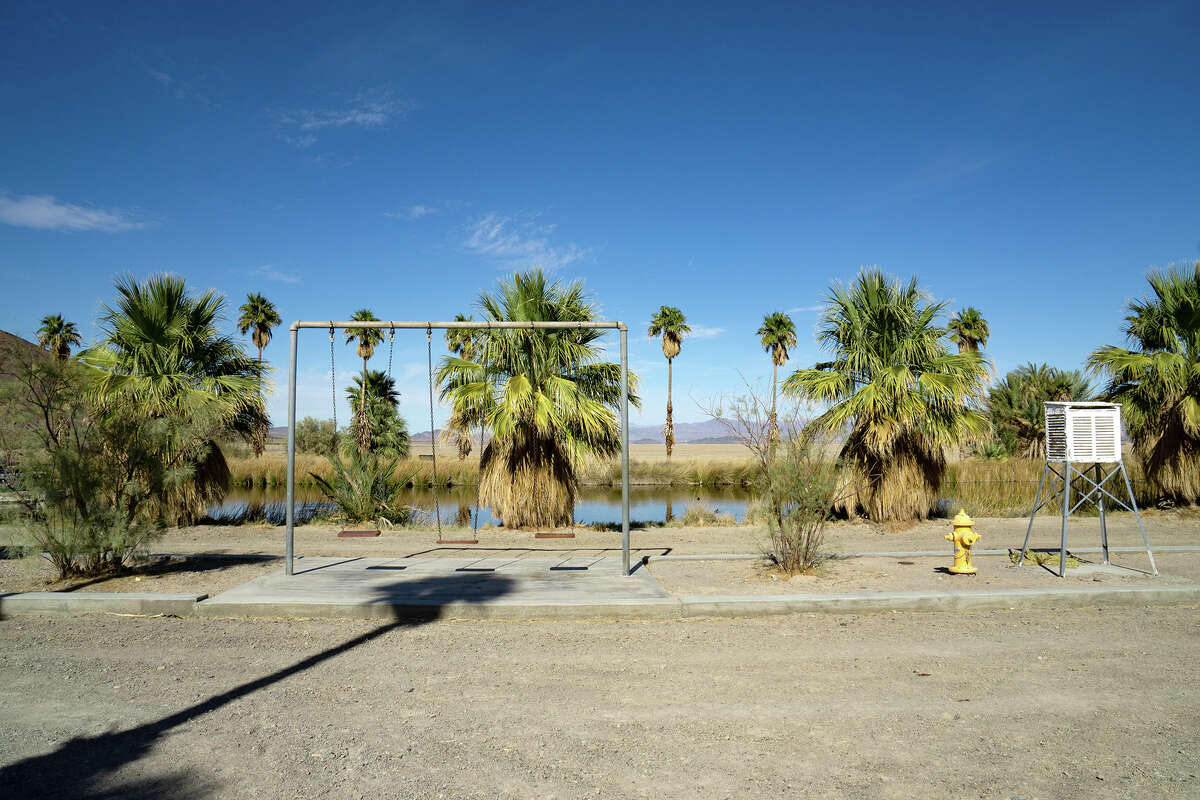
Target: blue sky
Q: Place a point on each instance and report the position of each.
(1033, 160)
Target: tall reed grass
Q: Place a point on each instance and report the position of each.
(271, 471)
(994, 488)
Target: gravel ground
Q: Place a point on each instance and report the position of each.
(1065, 704)
(181, 574)
(917, 574)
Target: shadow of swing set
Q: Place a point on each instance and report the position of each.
(429, 327)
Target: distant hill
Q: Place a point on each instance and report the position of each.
(15, 351)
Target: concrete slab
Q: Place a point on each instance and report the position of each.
(73, 603)
(491, 586)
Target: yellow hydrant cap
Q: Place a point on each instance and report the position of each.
(962, 520)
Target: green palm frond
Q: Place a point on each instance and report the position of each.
(1157, 381)
(893, 386)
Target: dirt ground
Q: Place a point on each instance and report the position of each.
(214, 575)
(1064, 704)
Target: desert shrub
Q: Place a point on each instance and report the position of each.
(103, 478)
(318, 436)
(798, 490)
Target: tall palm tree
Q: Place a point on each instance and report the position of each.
(544, 395)
(367, 339)
(777, 334)
(258, 314)
(388, 430)
(380, 386)
(894, 386)
(164, 357)
(1016, 404)
(672, 325)
(58, 336)
(969, 330)
(464, 343)
(1157, 381)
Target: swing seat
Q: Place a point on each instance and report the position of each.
(356, 534)
(458, 541)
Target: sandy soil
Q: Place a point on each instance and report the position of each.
(999, 705)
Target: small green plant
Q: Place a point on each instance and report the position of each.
(364, 487)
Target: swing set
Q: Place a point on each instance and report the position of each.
(429, 328)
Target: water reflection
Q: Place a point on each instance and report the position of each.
(596, 504)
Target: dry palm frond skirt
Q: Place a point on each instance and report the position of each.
(527, 482)
(1170, 460)
(898, 486)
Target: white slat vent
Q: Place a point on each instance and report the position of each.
(1083, 432)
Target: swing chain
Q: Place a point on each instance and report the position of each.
(332, 379)
(391, 347)
(437, 503)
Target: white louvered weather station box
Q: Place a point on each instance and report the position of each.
(1083, 432)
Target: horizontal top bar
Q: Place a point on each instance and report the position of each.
(484, 325)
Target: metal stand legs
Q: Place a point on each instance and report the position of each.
(1093, 490)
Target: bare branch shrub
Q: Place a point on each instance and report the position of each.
(798, 488)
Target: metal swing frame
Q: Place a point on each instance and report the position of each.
(429, 326)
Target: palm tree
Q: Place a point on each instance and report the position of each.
(969, 330)
(777, 333)
(58, 336)
(259, 315)
(1016, 405)
(367, 339)
(164, 357)
(464, 343)
(388, 430)
(1157, 382)
(380, 386)
(893, 385)
(547, 399)
(672, 325)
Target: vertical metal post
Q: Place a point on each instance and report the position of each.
(1103, 525)
(1036, 505)
(1066, 511)
(1138, 514)
(291, 455)
(624, 333)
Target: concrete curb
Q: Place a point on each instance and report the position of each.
(716, 606)
(733, 606)
(72, 603)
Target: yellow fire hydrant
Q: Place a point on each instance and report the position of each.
(963, 536)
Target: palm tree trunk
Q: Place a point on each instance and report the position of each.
(363, 433)
(669, 430)
(773, 423)
(259, 437)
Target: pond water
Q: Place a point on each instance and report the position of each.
(596, 504)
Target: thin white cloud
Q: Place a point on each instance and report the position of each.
(268, 272)
(704, 332)
(804, 309)
(411, 212)
(371, 109)
(519, 241)
(46, 213)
